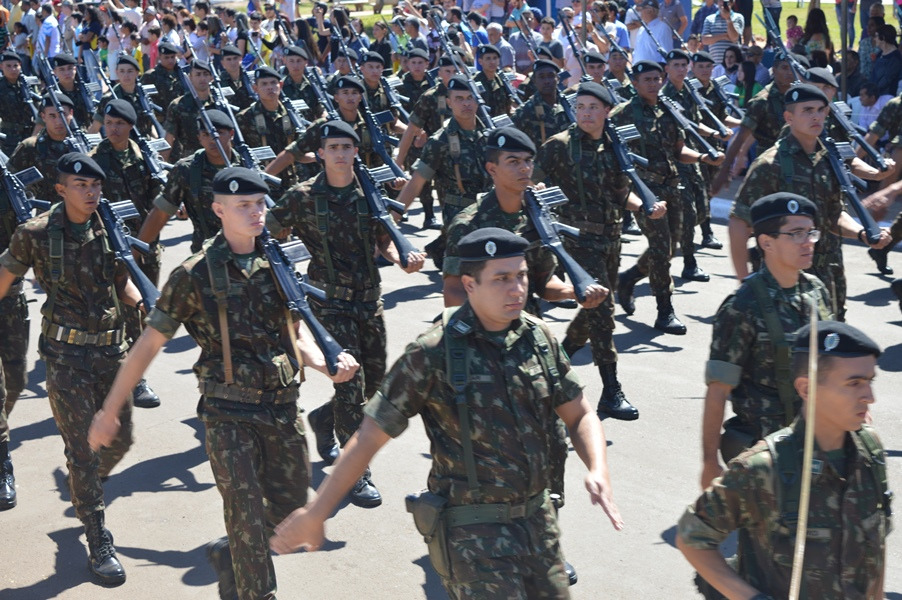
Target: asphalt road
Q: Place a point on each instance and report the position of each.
(163, 505)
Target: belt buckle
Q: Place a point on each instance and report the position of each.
(517, 511)
(70, 339)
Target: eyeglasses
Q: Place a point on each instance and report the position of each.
(800, 236)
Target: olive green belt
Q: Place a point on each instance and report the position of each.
(81, 338)
(475, 514)
(339, 292)
(233, 393)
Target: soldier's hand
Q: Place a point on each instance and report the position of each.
(398, 183)
(104, 428)
(601, 494)
(711, 161)
(659, 209)
(181, 214)
(883, 242)
(595, 295)
(891, 171)
(726, 137)
(347, 367)
(298, 530)
(415, 262)
(711, 470)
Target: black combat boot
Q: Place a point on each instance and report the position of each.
(364, 494)
(7, 480)
(897, 290)
(667, 320)
(219, 556)
(436, 251)
(322, 422)
(144, 397)
(692, 271)
(626, 284)
(103, 561)
(613, 402)
(880, 257)
(629, 224)
(708, 239)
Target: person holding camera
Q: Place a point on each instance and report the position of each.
(722, 30)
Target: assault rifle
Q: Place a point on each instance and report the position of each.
(28, 94)
(538, 205)
(149, 108)
(838, 153)
(294, 290)
(90, 90)
(619, 137)
(76, 139)
(729, 99)
(676, 111)
(202, 114)
(14, 187)
(113, 216)
(395, 100)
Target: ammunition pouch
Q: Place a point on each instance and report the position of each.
(428, 512)
(737, 437)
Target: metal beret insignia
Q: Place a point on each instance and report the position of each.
(792, 206)
(108, 109)
(501, 141)
(77, 167)
(490, 247)
(233, 186)
(795, 95)
(831, 341)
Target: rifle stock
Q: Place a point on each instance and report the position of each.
(122, 243)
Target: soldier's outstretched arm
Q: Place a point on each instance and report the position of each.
(712, 418)
(711, 565)
(313, 356)
(589, 441)
(284, 160)
(739, 253)
(6, 280)
(411, 189)
(732, 151)
(105, 425)
(304, 528)
(153, 225)
(407, 139)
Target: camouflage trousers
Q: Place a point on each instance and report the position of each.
(694, 205)
(78, 379)
(14, 331)
(510, 561)
(828, 267)
(359, 328)
(426, 194)
(262, 471)
(600, 256)
(662, 235)
(150, 265)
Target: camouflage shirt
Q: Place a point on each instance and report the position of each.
(511, 400)
(256, 318)
(191, 183)
(690, 109)
(311, 141)
(303, 91)
(81, 114)
(167, 85)
(262, 127)
(144, 124)
(181, 123)
(243, 97)
(574, 161)
(8, 224)
(42, 152)
(127, 176)
(626, 90)
(889, 121)
(495, 94)
(847, 524)
(540, 120)
(431, 110)
(350, 237)
(660, 138)
(439, 165)
(412, 90)
(17, 121)
(764, 116)
(743, 353)
(86, 298)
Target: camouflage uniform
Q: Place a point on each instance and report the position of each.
(743, 353)
(311, 141)
(144, 125)
(719, 109)
(17, 119)
(659, 142)
(627, 90)
(539, 120)
(40, 151)
(82, 304)
(303, 90)
(190, 184)
(495, 94)
(254, 432)
(428, 113)
(338, 229)
(764, 116)
(520, 558)
(262, 127)
(574, 161)
(181, 123)
(847, 520)
(242, 98)
(412, 90)
(786, 167)
(168, 88)
(81, 114)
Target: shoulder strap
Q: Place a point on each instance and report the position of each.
(321, 205)
(540, 117)
(784, 451)
(877, 468)
(576, 156)
(56, 258)
(219, 281)
(457, 367)
(454, 151)
(786, 168)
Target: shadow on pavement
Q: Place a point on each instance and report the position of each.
(891, 359)
(199, 572)
(34, 431)
(70, 569)
(432, 587)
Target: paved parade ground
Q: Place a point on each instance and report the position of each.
(163, 506)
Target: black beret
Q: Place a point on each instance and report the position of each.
(596, 90)
(678, 54)
(702, 56)
(168, 48)
(489, 243)
(219, 119)
(420, 53)
(264, 72)
(488, 49)
(781, 204)
(646, 66)
(10, 55)
(202, 65)
(230, 50)
(76, 163)
(338, 129)
(510, 139)
(349, 82)
(446, 60)
(351, 53)
(458, 83)
(62, 59)
(297, 51)
(64, 100)
(836, 339)
(545, 64)
(804, 92)
(121, 109)
(821, 75)
(374, 57)
(593, 57)
(127, 59)
(238, 181)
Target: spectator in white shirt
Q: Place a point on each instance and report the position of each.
(646, 48)
(722, 30)
(49, 36)
(871, 105)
